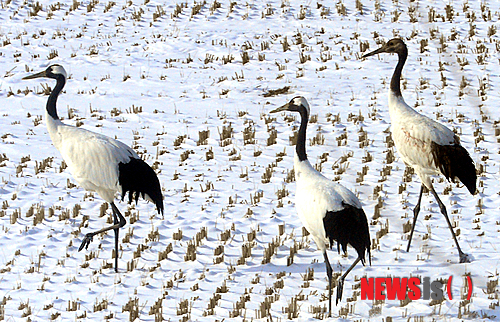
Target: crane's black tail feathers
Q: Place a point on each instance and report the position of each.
(349, 226)
(455, 162)
(138, 179)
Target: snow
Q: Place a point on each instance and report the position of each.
(187, 73)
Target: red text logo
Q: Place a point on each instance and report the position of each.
(391, 288)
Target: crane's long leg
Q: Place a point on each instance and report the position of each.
(117, 231)
(340, 285)
(415, 215)
(329, 272)
(118, 222)
(463, 257)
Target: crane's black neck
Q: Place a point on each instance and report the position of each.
(51, 102)
(300, 148)
(396, 77)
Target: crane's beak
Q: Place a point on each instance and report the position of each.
(37, 75)
(378, 51)
(281, 108)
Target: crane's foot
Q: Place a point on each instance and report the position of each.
(86, 241)
(464, 258)
(340, 289)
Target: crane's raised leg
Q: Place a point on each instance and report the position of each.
(329, 273)
(415, 215)
(340, 284)
(463, 257)
(118, 222)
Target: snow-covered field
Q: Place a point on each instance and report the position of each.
(189, 86)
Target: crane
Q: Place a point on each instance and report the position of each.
(99, 163)
(329, 211)
(427, 146)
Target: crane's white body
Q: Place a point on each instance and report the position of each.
(92, 158)
(315, 196)
(413, 134)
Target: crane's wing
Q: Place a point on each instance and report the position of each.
(414, 137)
(432, 147)
(318, 196)
(423, 129)
(93, 158)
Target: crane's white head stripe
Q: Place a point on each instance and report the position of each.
(58, 70)
(299, 100)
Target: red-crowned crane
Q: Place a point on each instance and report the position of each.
(99, 163)
(424, 144)
(329, 211)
